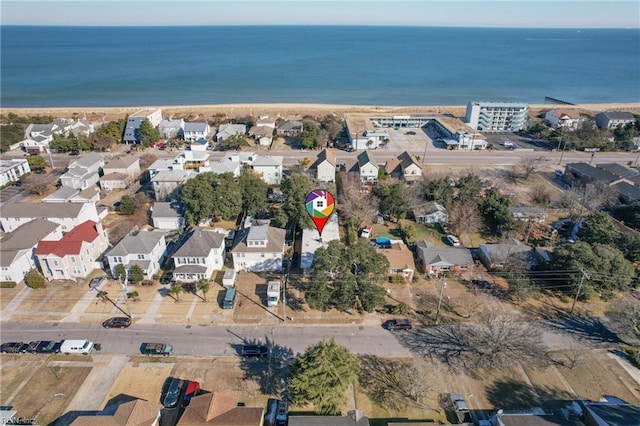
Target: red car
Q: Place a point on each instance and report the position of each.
(192, 390)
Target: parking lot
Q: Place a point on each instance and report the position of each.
(512, 141)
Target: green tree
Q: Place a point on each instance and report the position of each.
(254, 192)
(347, 277)
(148, 133)
(469, 187)
(606, 268)
(598, 228)
(175, 291)
(394, 199)
(34, 279)
(36, 162)
(127, 205)
(629, 245)
(203, 285)
(439, 190)
(120, 271)
(133, 295)
(629, 214)
(332, 126)
(310, 136)
(9, 135)
(322, 375)
(295, 187)
(136, 274)
(209, 194)
(496, 210)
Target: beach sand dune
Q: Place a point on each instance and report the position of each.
(290, 111)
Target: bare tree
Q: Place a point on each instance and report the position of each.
(598, 195)
(38, 184)
(357, 207)
(467, 304)
(541, 196)
(399, 384)
(464, 217)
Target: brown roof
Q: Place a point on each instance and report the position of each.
(455, 125)
(568, 112)
(399, 256)
(138, 412)
(407, 159)
(218, 409)
(393, 166)
(120, 163)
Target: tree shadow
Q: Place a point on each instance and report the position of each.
(269, 372)
(587, 329)
(510, 394)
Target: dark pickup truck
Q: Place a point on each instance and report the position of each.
(156, 349)
(254, 350)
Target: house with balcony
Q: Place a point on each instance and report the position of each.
(405, 167)
(170, 128)
(120, 173)
(259, 247)
(367, 168)
(67, 215)
(226, 131)
(197, 160)
(11, 170)
(565, 118)
(193, 131)
(75, 255)
(497, 116)
(325, 166)
(435, 260)
(269, 168)
(17, 248)
(202, 252)
(614, 119)
(145, 249)
(38, 137)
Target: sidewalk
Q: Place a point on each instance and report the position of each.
(7, 312)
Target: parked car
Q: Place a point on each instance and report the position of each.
(282, 413)
(453, 240)
(13, 347)
(192, 390)
(398, 324)
(172, 395)
(254, 350)
(44, 347)
(95, 282)
(156, 349)
(117, 322)
(559, 173)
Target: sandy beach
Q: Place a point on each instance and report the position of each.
(291, 111)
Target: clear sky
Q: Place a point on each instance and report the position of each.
(469, 13)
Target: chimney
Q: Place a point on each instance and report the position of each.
(355, 415)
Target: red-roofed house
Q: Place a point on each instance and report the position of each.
(75, 254)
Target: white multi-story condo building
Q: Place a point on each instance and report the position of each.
(497, 116)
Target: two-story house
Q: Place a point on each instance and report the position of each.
(67, 215)
(131, 133)
(405, 167)
(226, 131)
(17, 248)
(83, 172)
(192, 131)
(75, 255)
(170, 128)
(567, 118)
(201, 253)
(145, 249)
(269, 167)
(325, 166)
(367, 168)
(119, 173)
(259, 247)
(67, 194)
(166, 182)
(614, 119)
(11, 170)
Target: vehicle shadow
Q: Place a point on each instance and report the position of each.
(270, 371)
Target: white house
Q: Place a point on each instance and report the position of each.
(431, 212)
(38, 136)
(367, 168)
(17, 248)
(259, 248)
(325, 166)
(569, 119)
(312, 241)
(191, 132)
(167, 181)
(170, 128)
(67, 215)
(263, 135)
(132, 127)
(83, 172)
(614, 119)
(191, 160)
(67, 194)
(405, 167)
(75, 254)
(11, 170)
(146, 249)
(119, 173)
(269, 167)
(225, 131)
(167, 215)
(202, 253)
(226, 165)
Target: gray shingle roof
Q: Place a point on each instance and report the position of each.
(24, 237)
(143, 243)
(453, 256)
(592, 172)
(195, 127)
(42, 209)
(199, 243)
(162, 209)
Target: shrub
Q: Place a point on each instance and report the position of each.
(399, 309)
(34, 279)
(8, 284)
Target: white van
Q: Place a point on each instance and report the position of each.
(76, 347)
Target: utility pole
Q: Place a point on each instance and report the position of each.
(560, 145)
(442, 287)
(575, 299)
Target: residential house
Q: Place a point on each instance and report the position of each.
(242, 157)
(132, 128)
(171, 128)
(265, 121)
(630, 175)
(405, 167)
(38, 137)
(75, 254)
(435, 260)
(192, 132)
(168, 215)
(67, 215)
(400, 259)
(145, 249)
(534, 417)
(353, 418)
(217, 409)
(17, 248)
(566, 118)
(226, 165)
(528, 214)
(83, 172)
(202, 252)
(325, 166)
(137, 412)
(119, 173)
(159, 165)
(367, 168)
(263, 135)
(67, 194)
(512, 255)
(269, 167)
(11, 170)
(225, 131)
(290, 129)
(627, 193)
(611, 411)
(431, 212)
(167, 181)
(81, 127)
(584, 173)
(197, 160)
(259, 247)
(614, 119)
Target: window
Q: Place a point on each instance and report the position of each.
(73, 259)
(141, 256)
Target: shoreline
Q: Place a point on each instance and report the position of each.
(291, 110)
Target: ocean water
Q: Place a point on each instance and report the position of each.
(126, 66)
